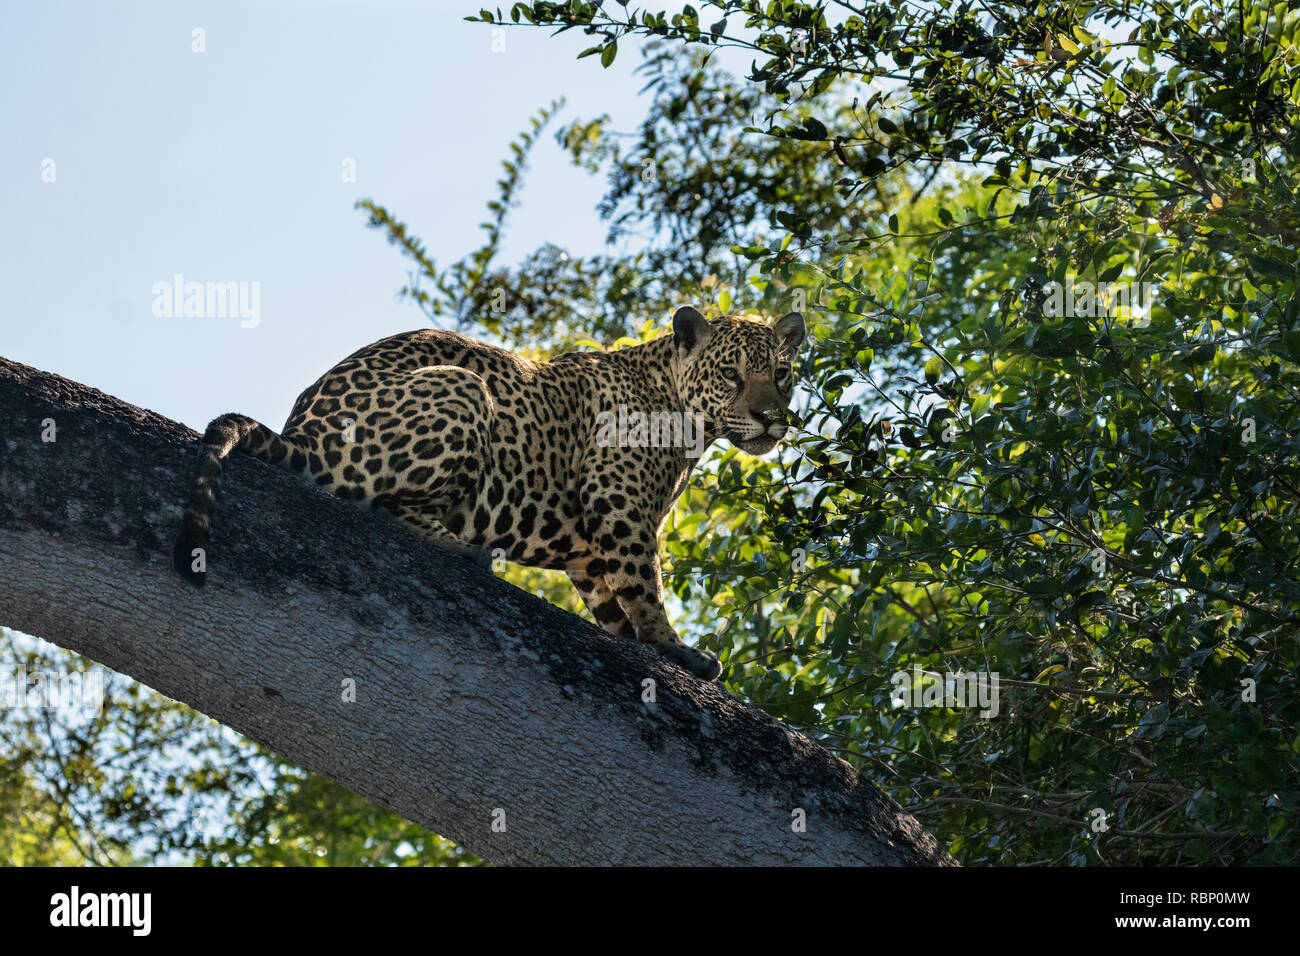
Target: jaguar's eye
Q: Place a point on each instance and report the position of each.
(732, 376)
(783, 378)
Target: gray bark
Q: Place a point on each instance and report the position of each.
(476, 702)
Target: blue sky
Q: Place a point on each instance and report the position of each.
(227, 165)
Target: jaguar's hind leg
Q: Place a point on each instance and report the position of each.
(434, 530)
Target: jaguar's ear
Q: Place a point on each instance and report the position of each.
(790, 332)
(690, 331)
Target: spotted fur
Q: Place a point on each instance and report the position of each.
(480, 449)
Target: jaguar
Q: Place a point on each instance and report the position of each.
(485, 452)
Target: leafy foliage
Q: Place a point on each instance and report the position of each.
(148, 780)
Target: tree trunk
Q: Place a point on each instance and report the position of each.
(481, 712)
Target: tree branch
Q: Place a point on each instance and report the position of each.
(475, 702)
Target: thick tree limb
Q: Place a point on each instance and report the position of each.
(475, 701)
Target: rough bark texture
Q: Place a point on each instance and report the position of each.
(475, 701)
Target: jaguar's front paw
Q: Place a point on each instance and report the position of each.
(703, 664)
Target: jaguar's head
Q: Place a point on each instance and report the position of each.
(737, 373)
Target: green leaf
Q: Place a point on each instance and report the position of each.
(1272, 268)
(816, 129)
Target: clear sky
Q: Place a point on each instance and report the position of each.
(227, 165)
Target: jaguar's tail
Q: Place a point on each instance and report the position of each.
(226, 434)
